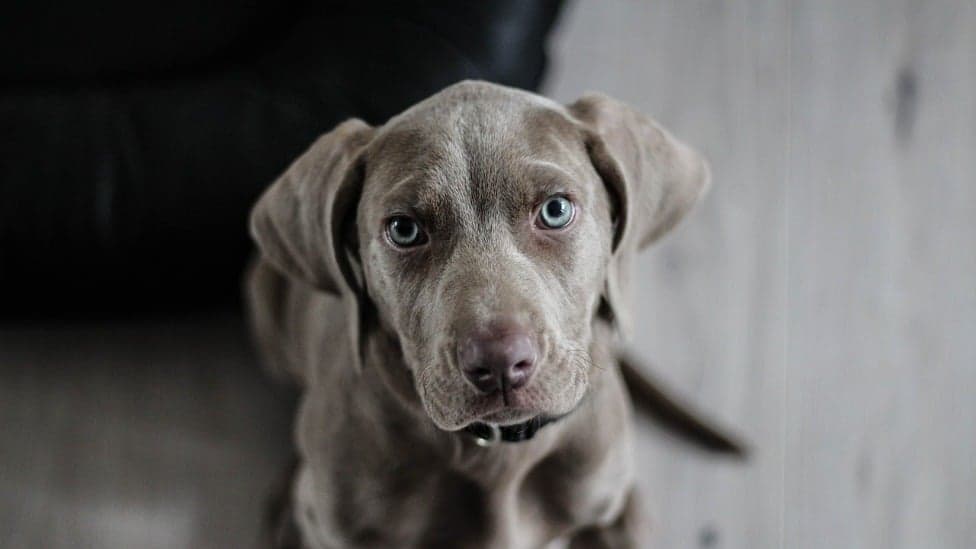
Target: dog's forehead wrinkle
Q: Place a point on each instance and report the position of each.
(554, 176)
(468, 155)
(546, 165)
(570, 151)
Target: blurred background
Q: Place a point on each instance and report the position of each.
(822, 298)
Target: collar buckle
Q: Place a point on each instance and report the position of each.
(488, 436)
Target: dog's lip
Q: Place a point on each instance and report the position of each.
(507, 416)
(504, 416)
(487, 408)
(491, 408)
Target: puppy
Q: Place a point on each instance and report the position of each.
(449, 290)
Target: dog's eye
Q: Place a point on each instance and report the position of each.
(556, 212)
(404, 231)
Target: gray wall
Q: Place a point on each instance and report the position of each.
(823, 297)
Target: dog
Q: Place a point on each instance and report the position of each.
(450, 291)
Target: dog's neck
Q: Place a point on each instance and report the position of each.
(486, 434)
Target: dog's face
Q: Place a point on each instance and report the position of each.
(485, 233)
(490, 227)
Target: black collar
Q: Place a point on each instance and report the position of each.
(489, 435)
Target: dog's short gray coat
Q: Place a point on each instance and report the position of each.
(370, 330)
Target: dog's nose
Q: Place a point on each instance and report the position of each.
(501, 361)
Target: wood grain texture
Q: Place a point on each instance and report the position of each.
(823, 297)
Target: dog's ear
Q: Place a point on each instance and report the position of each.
(301, 223)
(653, 179)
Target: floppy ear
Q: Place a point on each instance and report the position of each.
(300, 222)
(653, 178)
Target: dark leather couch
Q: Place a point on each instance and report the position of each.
(135, 137)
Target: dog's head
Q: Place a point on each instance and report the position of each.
(485, 228)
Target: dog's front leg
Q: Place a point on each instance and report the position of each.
(623, 533)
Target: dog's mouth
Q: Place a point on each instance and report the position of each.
(519, 408)
(554, 390)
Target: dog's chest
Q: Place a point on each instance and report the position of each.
(416, 505)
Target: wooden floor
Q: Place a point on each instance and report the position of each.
(159, 433)
(824, 296)
(822, 299)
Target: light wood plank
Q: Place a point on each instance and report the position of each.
(823, 296)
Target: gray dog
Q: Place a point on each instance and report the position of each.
(449, 290)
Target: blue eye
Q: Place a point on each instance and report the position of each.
(404, 231)
(556, 212)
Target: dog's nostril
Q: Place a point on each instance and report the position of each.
(522, 366)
